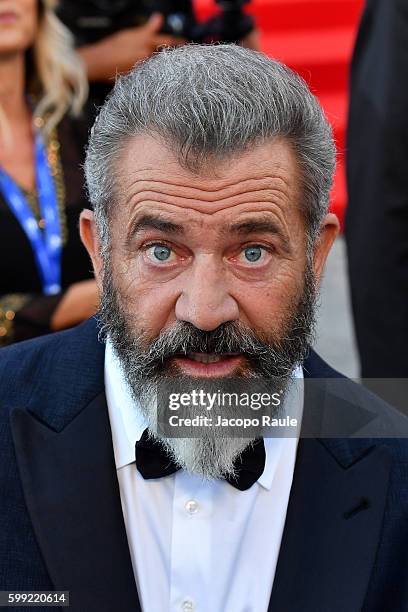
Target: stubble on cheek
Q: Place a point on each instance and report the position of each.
(138, 307)
(277, 304)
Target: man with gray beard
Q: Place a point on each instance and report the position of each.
(268, 363)
(209, 170)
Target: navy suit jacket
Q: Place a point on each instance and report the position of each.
(345, 542)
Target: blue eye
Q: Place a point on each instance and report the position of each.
(161, 252)
(253, 253)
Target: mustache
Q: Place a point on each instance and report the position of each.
(264, 354)
(183, 338)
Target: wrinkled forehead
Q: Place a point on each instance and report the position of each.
(150, 178)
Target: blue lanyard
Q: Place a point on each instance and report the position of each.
(47, 246)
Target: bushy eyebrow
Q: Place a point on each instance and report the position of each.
(243, 228)
(152, 222)
(266, 226)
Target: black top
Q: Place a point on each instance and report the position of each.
(24, 311)
(377, 181)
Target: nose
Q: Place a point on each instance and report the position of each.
(205, 301)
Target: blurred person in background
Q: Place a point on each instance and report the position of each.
(377, 213)
(111, 37)
(118, 52)
(46, 282)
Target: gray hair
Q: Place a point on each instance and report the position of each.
(212, 101)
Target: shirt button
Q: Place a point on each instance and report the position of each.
(192, 507)
(187, 605)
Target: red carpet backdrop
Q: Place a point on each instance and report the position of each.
(316, 38)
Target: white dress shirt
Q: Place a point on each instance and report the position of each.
(199, 546)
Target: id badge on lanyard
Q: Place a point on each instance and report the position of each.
(47, 245)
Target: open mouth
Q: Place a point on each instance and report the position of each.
(210, 357)
(8, 17)
(208, 364)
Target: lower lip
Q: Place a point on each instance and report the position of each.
(217, 369)
(8, 17)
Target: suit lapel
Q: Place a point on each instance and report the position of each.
(71, 490)
(331, 532)
(72, 495)
(335, 512)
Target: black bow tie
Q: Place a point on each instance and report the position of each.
(153, 461)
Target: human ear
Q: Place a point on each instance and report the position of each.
(329, 229)
(90, 239)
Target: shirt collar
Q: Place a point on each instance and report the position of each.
(275, 446)
(126, 418)
(128, 423)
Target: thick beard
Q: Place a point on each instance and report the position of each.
(144, 363)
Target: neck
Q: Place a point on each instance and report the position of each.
(12, 85)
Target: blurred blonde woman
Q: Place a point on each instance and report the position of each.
(45, 280)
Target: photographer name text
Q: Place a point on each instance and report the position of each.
(241, 422)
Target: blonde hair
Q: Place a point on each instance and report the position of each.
(59, 73)
(56, 74)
